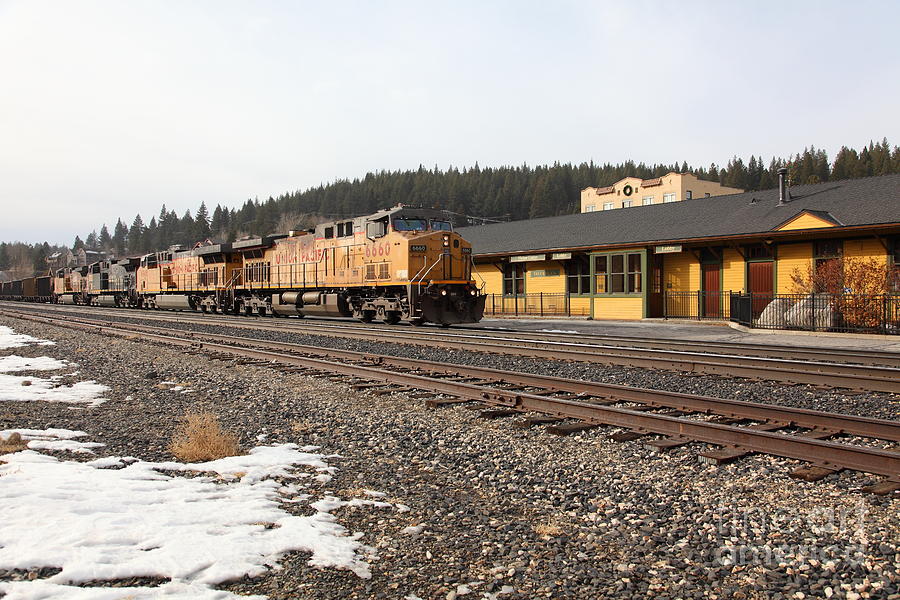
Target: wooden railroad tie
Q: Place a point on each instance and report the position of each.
(570, 428)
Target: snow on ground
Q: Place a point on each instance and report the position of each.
(54, 439)
(557, 331)
(14, 363)
(115, 518)
(15, 388)
(11, 339)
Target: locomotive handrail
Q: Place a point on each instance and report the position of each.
(433, 265)
(413, 280)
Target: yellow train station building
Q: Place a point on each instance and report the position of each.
(627, 264)
(631, 192)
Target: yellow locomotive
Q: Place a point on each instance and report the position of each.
(398, 264)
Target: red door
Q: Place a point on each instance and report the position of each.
(760, 280)
(711, 290)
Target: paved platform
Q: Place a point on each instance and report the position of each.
(701, 331)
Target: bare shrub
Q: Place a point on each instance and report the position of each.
(548, 529)
(202, 438)
(854, 287)
(13, 443)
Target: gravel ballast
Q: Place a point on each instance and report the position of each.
(495, 510)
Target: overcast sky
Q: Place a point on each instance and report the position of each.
(110, 108)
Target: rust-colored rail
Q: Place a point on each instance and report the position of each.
(828, 455)
(850, 376)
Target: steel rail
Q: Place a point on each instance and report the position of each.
(788, 416)
(848, 355)
(830, 455)
(855, 377)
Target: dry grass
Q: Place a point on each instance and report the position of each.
(548, 530)
(13, 443)
(202, 438)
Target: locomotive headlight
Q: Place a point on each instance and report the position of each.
(474, 292)
(443, 292)
(446, 240)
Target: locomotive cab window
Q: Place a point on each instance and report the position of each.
(329, 233)
(376, 229)
(441, 225)
(410, 224)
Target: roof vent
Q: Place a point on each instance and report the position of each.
(784, 193)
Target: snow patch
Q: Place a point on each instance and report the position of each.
(11, 339)
(557, 331)
(14, 388)
(59, 440)
(115, 518)
(15, 364)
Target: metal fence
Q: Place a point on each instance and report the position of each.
(536, 305)
(697, 305)
(855, 313)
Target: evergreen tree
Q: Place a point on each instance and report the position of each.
(4, 256)
(77, 244)
(91, 241)
(120, 235)
(201, 222)
(136, 241)
(104, 240)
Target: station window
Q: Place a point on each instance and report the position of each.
(669, 197)
(578, 275)
(688, 194)
(607, 205)
(647, 200)
(760, 252)
(626, 203)
(826, 254)
(895, 264)
(590, 208)
(618, 274)
(513, 279)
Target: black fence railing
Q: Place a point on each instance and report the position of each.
(697, 305)
(854, 313)
(537, 305)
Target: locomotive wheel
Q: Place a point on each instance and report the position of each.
(367, 316)
(391, 317)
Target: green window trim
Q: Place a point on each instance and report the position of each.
(618, 276)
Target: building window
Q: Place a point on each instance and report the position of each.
(647, 200)
(688, 194)
(669, 197)
(578, 275)
(618, 274)
(760, 252)
(590, 208)
(626, 203)
(607, 205)
(513, 279)
(706, 195)
(895, 265)
(826, 254)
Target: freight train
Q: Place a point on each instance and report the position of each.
(399, 264)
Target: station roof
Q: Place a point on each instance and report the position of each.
(847, 203)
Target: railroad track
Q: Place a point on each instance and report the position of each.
(662, 420)
(793, 352)
(857, 377)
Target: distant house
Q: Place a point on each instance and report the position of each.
(84, 257)
(61, 260)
